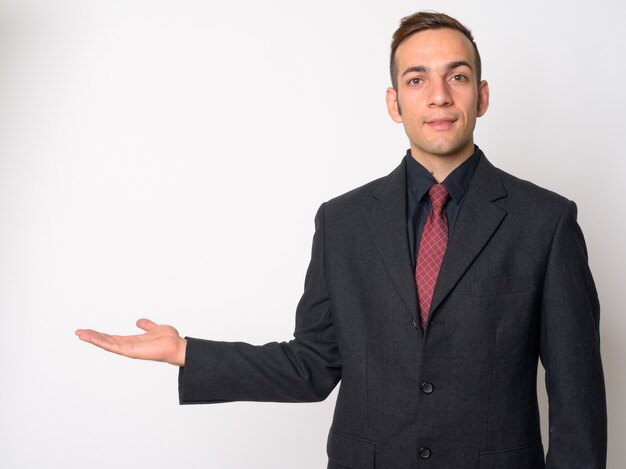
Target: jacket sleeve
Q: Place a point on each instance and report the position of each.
(570, 353)
(306, 368)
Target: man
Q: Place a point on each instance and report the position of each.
(431, 294)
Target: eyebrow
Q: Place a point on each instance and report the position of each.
(451, 66)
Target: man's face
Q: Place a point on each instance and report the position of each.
(437, 98)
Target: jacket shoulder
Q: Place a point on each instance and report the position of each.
(530, 194)
(357, 202)
(357, 196)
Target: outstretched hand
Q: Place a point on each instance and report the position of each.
(160, 343)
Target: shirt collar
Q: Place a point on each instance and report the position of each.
(419, 179)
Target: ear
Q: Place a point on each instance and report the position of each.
(483, 98)
(393, 108)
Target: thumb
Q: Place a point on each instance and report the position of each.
(146, 324)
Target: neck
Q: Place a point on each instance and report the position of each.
(440, 166)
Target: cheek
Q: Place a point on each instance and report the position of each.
(410, 109)
(471, 106)
(411, 121)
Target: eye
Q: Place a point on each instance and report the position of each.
(415, 81)
(459, 78)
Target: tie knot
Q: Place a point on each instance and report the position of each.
(438, 195)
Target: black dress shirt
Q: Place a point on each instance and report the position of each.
(419, 180)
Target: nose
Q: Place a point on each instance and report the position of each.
(439, 93)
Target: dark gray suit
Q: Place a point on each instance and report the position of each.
(514, 286)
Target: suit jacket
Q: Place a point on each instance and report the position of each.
(514, 287)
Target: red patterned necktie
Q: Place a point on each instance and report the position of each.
(432, 248)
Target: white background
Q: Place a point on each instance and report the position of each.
(166, 159)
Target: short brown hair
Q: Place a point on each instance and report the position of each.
(422, 21)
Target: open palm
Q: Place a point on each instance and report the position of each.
(160, 343)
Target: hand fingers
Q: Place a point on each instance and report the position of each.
(112, 343)
(96, 338)
(85, 334)
(146, 324)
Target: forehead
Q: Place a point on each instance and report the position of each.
(434, 47)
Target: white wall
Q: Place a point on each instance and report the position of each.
(165, 159)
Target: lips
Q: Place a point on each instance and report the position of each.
(441, 120)
(441, 123)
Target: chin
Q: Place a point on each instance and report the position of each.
(452, 149)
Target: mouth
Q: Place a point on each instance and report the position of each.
(441, 123)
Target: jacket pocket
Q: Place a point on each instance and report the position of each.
(501, 286)
(345, 451)
(526, 457)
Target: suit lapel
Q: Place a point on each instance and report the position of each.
(478, 220)
(389, 229)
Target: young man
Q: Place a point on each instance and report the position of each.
(431, 294)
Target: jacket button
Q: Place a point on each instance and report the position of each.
(424, 453)
(427, 387)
